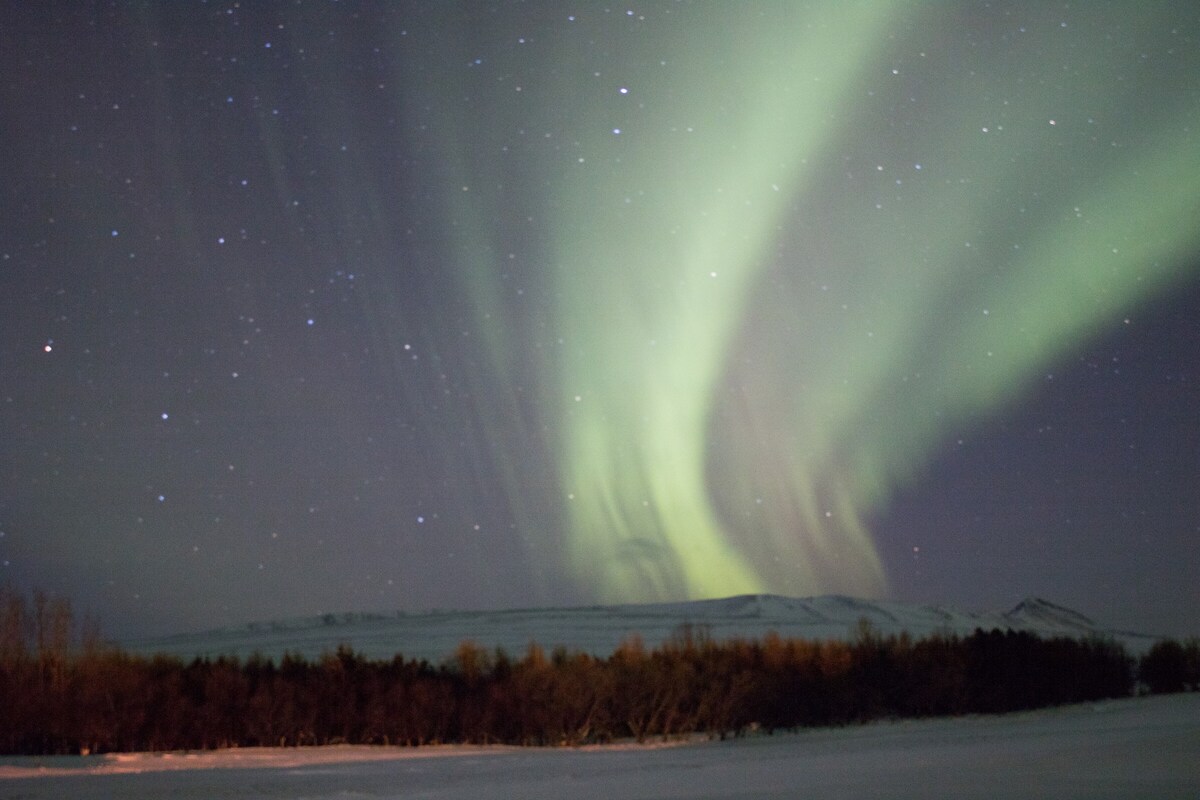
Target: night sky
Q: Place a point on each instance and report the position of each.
(321, 306)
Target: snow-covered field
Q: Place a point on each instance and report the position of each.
(1136, 748)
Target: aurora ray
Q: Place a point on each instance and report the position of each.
(771, 308)
(656, 246)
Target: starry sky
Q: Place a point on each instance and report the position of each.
(329, 306)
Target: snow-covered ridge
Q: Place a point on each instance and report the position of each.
(1045, 614)
(600, 629)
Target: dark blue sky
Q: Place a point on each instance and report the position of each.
(309, 307)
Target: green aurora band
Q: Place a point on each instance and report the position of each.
(787, 254)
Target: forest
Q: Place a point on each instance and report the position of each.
(64, 691)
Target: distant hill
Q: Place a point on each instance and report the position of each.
(599, 629)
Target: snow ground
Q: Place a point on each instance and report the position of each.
(1136, 748)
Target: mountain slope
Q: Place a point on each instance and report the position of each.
(600, 629)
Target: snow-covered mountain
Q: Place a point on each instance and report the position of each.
(600, 629)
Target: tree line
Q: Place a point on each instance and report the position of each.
(69, 694)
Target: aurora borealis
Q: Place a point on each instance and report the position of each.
(314, 307)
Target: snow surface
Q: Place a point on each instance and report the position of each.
(599, 629)
(1134, 748)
